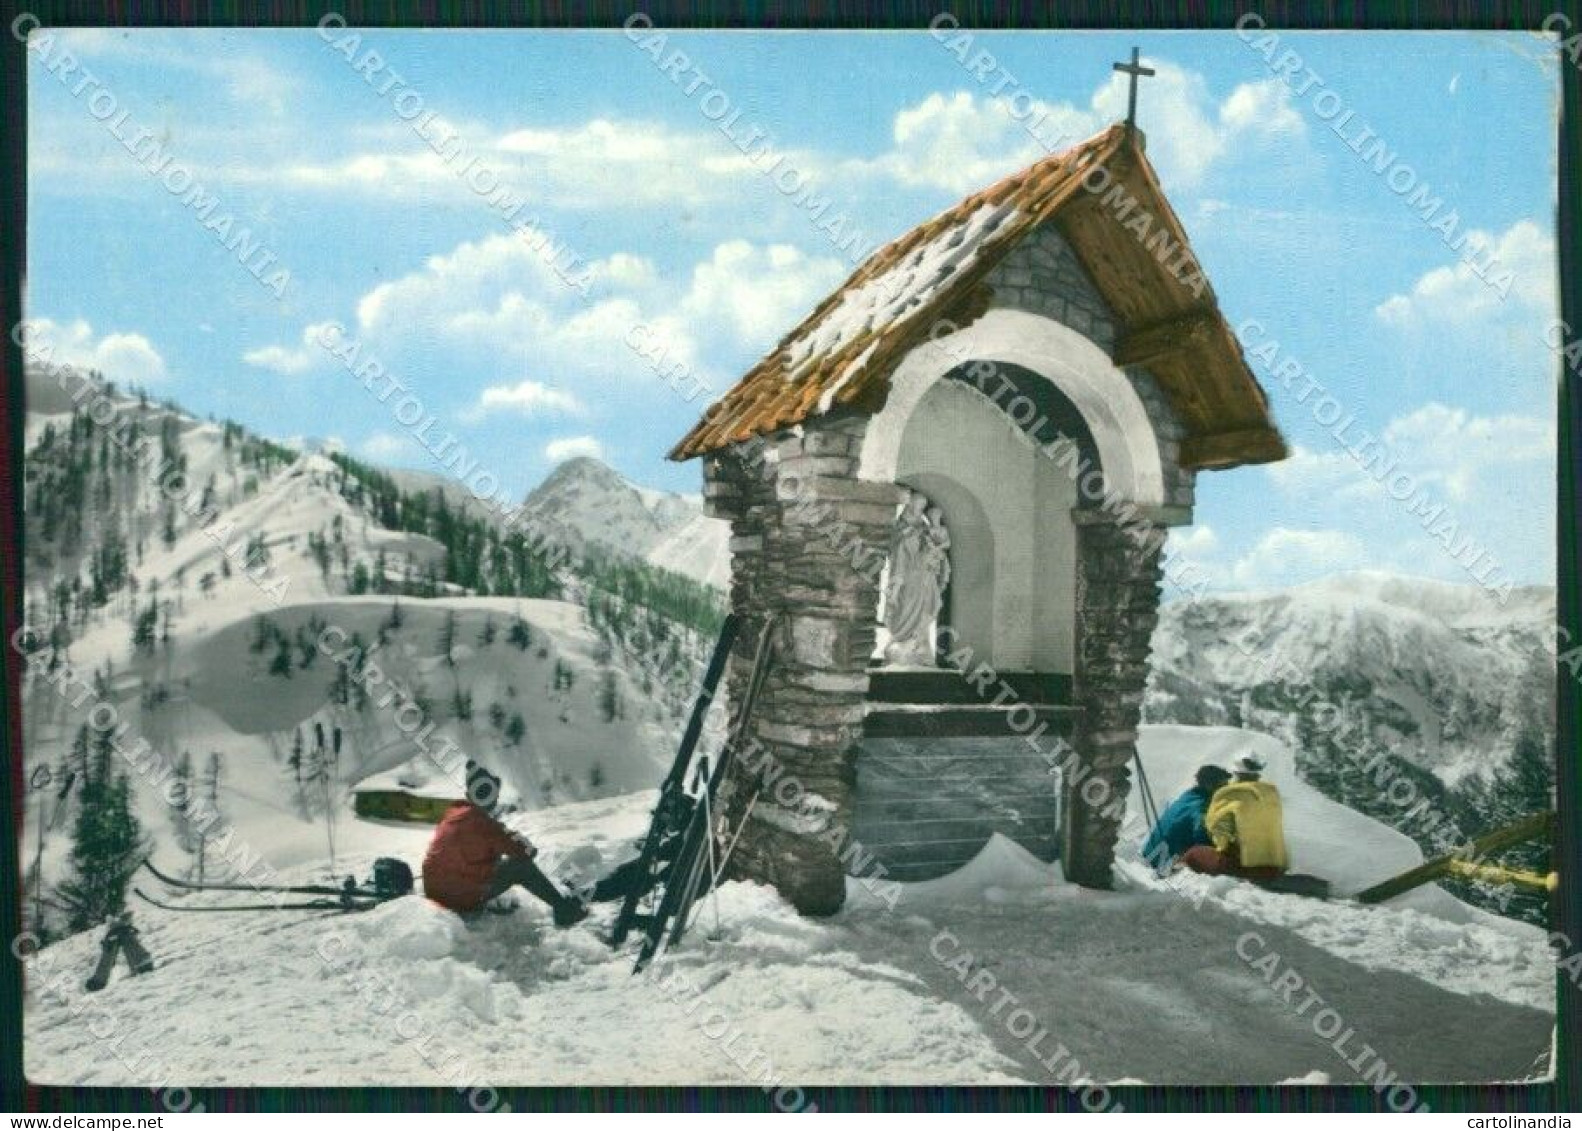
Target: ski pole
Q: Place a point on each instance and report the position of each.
(725, 857)
(714, 879)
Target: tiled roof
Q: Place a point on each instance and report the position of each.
(841, 356)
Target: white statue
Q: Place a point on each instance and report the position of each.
(919, 569)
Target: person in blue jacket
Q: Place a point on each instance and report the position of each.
(1181, 825)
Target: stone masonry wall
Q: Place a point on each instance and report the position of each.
(1042, 275)
(1118, 578)
(808, 543)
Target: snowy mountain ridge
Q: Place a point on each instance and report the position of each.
(1444, 672)
(587, 502)
(203, 627)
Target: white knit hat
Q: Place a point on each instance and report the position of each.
(1250, 763)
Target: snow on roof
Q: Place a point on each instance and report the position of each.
(842, 354)
(405, 779)
(902, 287)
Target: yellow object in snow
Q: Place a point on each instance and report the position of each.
(1247, 814)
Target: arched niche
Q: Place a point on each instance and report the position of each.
(1113, 413)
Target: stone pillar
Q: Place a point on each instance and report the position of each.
(1117, 599)
(809, 540)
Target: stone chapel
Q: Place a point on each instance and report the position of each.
(948, 488)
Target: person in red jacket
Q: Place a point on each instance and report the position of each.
(473, 857)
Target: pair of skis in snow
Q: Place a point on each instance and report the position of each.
(349, 896)
(683, 856)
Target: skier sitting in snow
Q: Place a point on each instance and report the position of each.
(1247, 827)
(473, 857)
(1181, 825)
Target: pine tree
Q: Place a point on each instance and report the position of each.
(609, 697)
(294, 761)
(209, 790)
(180, 797)
(521, 635)
(281, 665)
(447, 638)
(144, 629)
(322, 763)
(77, 760)
(107, 844)
(486, 633)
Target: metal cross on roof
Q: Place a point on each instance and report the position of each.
(1134, 69)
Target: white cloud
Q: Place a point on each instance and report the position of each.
(1193, 541)
(499, 297)
(1262, 108)
(1457, 488)
(300, 443)
(386, 446)
(253, 80)
(757, 293)
(526, 398)
(119, 356)
(1456, 295)
(605, 161)
(496, 297)
(1285, 556)
(570, 447)
(290, 361)
(279, 359)
(601, 163)
(953, 141)
(1460, 452)
(964, 140)
(1447, 450)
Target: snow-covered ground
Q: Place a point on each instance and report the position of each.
(1149, 982)
(1155, 981)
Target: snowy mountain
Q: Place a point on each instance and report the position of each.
(1377, 680)
(1443, 674)
(192, 575)
(589, 504)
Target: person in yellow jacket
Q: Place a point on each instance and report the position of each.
(1246, 824)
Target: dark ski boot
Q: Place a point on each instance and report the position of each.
(137, 956)
(109, 951)
(569, 912)
(119, 937)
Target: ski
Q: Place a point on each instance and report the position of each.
(672, 811)
(347, 890)
(682, 886)
(308, 905)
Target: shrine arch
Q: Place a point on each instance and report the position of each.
(1116, 419)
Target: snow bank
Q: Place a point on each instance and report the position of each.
(1427, 932)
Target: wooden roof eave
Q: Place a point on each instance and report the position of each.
(1226, 417)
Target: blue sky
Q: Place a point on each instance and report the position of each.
(685, 238)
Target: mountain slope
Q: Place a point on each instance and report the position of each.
(1444, 674)
(1426, 705)
(588, 504)
(209, 616)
